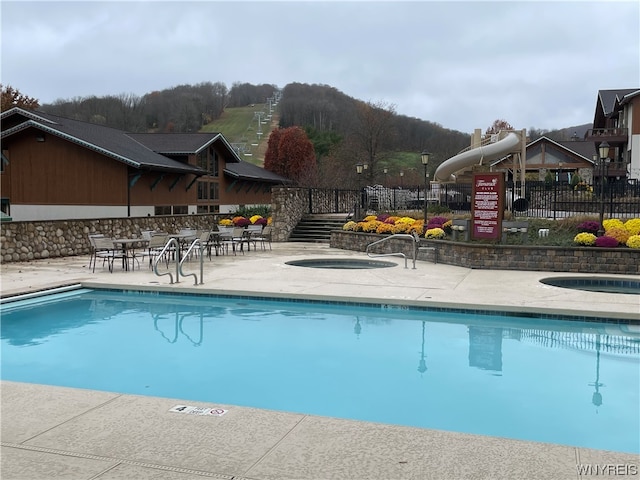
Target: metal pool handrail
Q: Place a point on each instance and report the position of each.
(186, 255)
(176, 245)
(414, 238)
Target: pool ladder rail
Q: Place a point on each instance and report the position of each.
(173, 243)
(414, 239)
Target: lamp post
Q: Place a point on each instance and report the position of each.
(358, 211)
(424, 158)
(603, 150)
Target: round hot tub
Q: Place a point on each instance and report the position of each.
(596, 284)
(341, 263)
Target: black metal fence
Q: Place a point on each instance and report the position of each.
(557, 200)
(539, 199)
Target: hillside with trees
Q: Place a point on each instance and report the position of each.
(343, 131)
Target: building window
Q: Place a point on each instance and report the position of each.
(162, 210)
(203, 191)
(215, 161)
(180, 210)
(214, 191)
(203, 160)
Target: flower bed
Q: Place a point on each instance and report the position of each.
(617, 251)
(578, 259)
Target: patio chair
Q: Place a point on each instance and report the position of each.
(240, 237)
(156, 244)
(92, 247)
(252, 233)
(106, 249)
(264, 237)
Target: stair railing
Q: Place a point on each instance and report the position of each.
(415, 241)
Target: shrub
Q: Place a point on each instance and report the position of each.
(349, 226)
(384, 228)
(589, 226)
(633, 241)
(241, 221)
(370, 226)
(619, 233)
(434, 233)
(585, 238)
(633, 226)
(606, 242)
(611, 223)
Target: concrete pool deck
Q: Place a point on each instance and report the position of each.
(54, 432)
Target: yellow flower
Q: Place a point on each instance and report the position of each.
(255, 218)
(634, 241)
(369, 218)
(585, 238)
(349, 226)
(385, 228)
(633, 226)
(434, 233)
(227, 222)
(611, 223)
(619, 233)
(370, 226)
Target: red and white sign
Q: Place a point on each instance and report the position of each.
(487, 205)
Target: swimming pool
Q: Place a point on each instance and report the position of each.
(570, 383)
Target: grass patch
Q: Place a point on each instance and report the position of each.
(240, 125)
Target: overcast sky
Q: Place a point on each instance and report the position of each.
(459, 64)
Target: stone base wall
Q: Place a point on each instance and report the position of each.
(20, 241)
(288, 206)
(503, 257)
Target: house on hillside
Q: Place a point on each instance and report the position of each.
(617, 121)
(60, 168)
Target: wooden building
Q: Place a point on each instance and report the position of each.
(60, 168)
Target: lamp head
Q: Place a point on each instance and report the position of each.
(424, 157)
(359, 168)
(603, 149)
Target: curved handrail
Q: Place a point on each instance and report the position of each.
(186, 255)
(199, 342)
(414, 238)
(159, 256)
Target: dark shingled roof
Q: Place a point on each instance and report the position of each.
(608, 98)
(180, 143)
(108, 141)
(582, 148)
(247, 171)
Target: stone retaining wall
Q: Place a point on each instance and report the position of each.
(20, 241)
(503, 257)
(288, 206)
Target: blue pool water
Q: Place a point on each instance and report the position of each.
(563, 382)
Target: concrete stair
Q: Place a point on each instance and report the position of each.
(317, 228)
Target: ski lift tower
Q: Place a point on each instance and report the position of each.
(258, 116)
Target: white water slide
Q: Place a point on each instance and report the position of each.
(445, 172)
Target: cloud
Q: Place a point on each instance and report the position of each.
(459, 64)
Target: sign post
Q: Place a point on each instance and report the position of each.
(487, 205)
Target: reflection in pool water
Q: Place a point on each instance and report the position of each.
(557, 381)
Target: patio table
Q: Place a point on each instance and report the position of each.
(128, 246)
